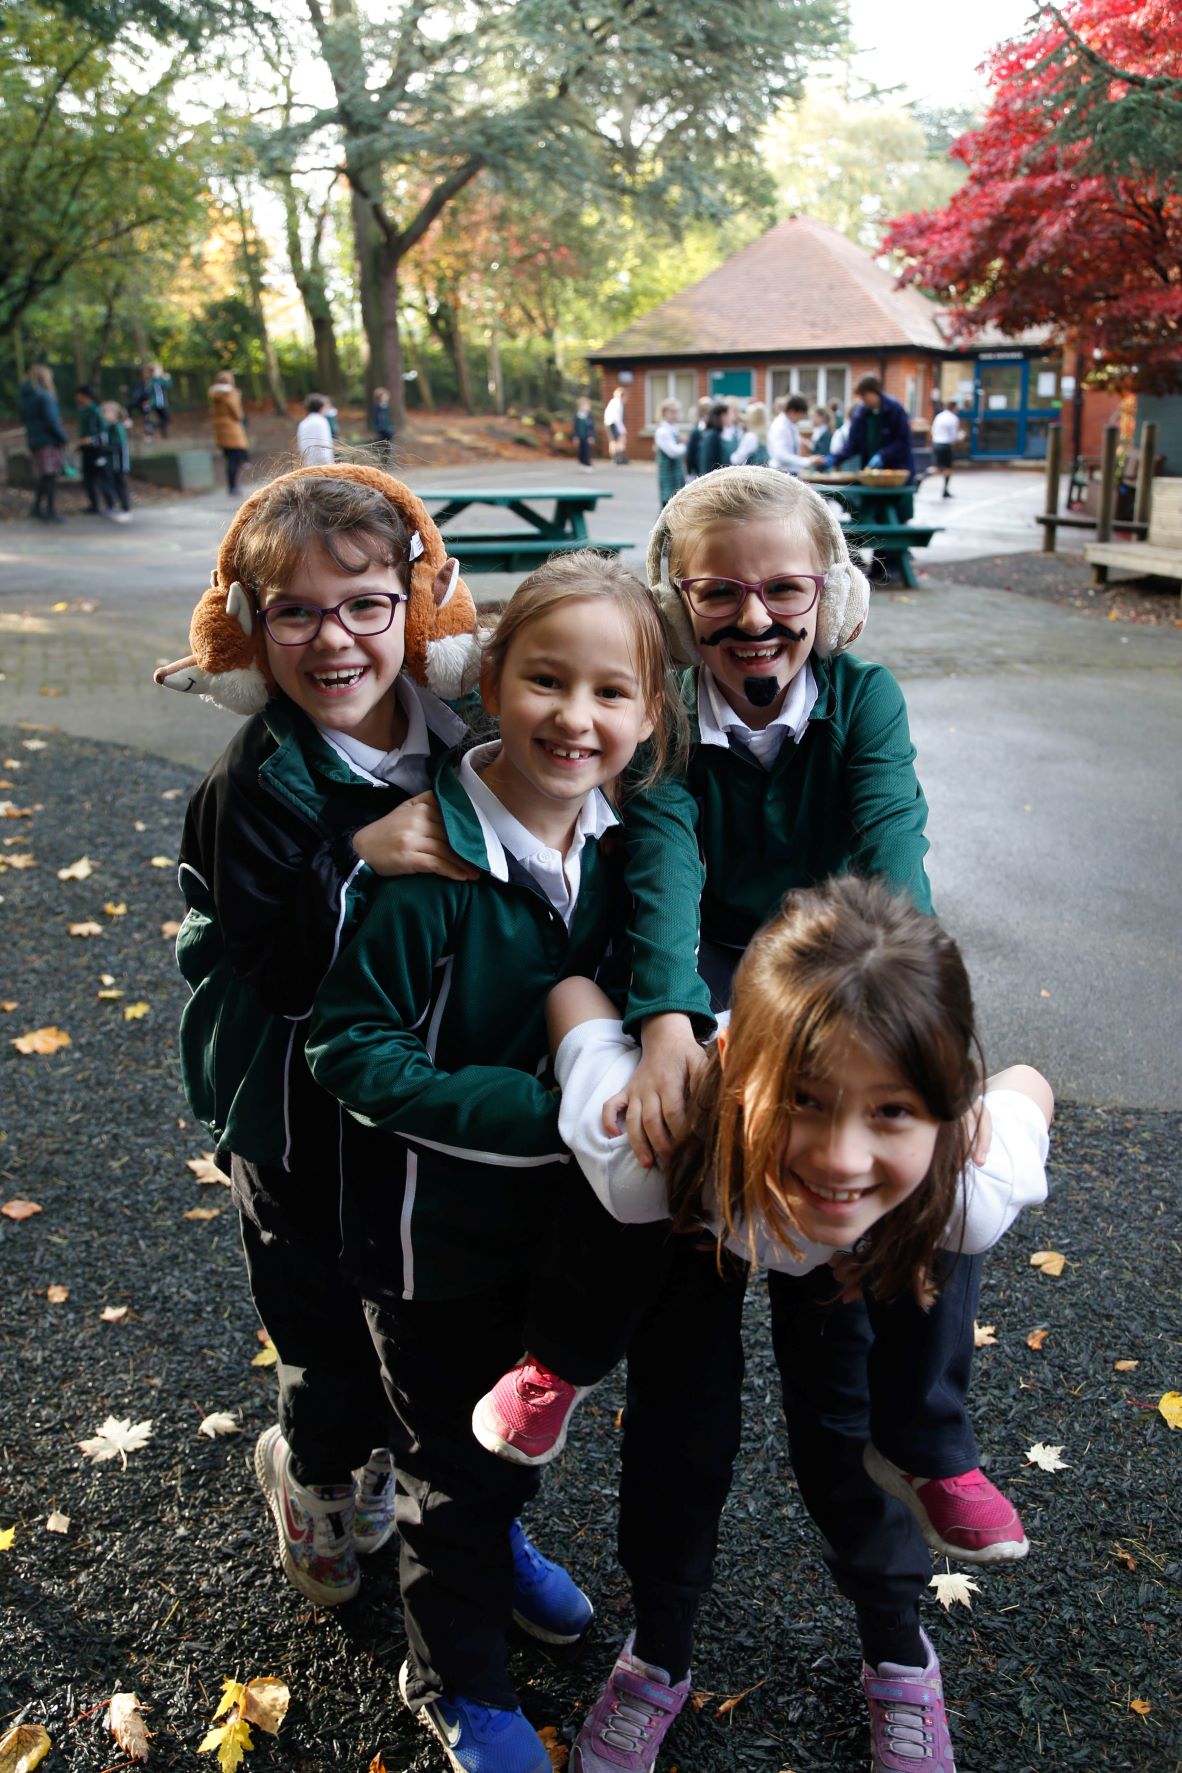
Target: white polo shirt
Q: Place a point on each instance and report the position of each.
(718, 722)
(408, 765)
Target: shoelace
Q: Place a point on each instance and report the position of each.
(907, 1732)
(529, 1566)
(531, 1389)
(630, 1724)
(331, 1514)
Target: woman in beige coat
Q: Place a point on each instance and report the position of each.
(229, 431)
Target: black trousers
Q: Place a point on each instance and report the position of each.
(332, 1407)
(96, 482)
(234, 459)
(456, 1501)
(594, 1287)
(120, 488)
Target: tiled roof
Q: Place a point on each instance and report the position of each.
(800, 287)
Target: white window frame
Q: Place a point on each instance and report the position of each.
(661, 385)
(833, 381)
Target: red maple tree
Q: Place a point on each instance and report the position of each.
(1040, 233)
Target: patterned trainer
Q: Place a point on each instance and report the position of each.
(315, 1525)
(547, 1602)
(526, 1414)
(908, 1723)
(963, 1517)
(374, 1489)
(481, 1738)
(629, 1720)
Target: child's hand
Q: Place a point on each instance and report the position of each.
(412, 840)
(653, 1110)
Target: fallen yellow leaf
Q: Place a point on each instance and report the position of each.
(1048, 1261)
(82, 869)
(1171, 1408)
(57, 1295)
(140, 826)
(58, 607)
(1036, 1339)
(205, 1169)
(265, 1702)
(57, 1523)
(115, 1314)
(170, 928)
(115, 910)
(1125, 1366)
(9, 1005)
(19, 1209)
(1142, 1707)
(41, 1040)
(231, 1740)
(172, 794)
(10, 810)
(110, 995)
(7, 1535)
(268, 1354)
(134, 1012)
(984, 1335)
(23, 1747)
(161, 862)
(21, 859)
(126, 1723)
(202, 1214)
(86, 929)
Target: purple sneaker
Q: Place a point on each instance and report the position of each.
(908, 1723)
(628, 1722)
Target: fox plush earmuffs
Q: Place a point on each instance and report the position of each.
(228, 663)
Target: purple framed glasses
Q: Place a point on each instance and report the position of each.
(787, 594)
(295, 624)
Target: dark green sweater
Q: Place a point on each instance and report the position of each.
(431, 1028)
(845, 800)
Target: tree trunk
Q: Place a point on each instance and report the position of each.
(254, 278)
(391, 342)
(367, 245)
(328, 362)
(496, 380)
(309, 278)
(459, 355)
(419, 354)
(139, 334)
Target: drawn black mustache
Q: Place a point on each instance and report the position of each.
(776, 632)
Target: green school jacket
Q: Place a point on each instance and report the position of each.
(845, 800)
(430, 1028)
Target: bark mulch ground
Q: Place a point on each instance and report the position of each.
(167, 1581)
(1065, 579)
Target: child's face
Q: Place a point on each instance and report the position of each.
(570, 705)
(856, 1148)
(345, 681)
(751, 644)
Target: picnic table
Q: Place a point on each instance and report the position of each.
(558, 531)
(880, 517)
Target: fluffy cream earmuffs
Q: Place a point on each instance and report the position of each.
(844, 604)
(228, 663)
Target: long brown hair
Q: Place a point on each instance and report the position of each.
(583, 574)
(846, 959)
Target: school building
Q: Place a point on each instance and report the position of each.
(803, 310)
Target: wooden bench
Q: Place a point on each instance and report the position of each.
(1159, 557)
(504, 553)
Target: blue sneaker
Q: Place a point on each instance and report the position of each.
(547, 1603)
(481, 1738)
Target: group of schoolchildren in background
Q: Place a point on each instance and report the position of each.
(524, 1050)
(103, 441)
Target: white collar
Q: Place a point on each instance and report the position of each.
(425, 714)
(717, 719)
(503, 832)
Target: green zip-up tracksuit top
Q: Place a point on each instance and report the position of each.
(844, 800)
(430, 1027)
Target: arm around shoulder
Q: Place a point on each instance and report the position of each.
(1026, 1081)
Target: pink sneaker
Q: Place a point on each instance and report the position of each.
(908, 1723)
(963, 1517)
(628, 1722)
(526, 1414)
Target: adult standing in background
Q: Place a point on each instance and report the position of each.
(46, 437)
(617, 430)
(945, 432)
(229, 430)
(314, 433)
(670, 453)
(880, 431)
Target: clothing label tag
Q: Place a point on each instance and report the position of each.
(416, 547)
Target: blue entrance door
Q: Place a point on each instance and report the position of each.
(999, 408)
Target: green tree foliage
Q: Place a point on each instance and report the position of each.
(93, 163)
(855, 165)
(1124, 123)
(660, 103)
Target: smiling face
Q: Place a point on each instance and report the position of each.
(855, 1147)
(751, 648)
(572, 711)
(342, 681)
